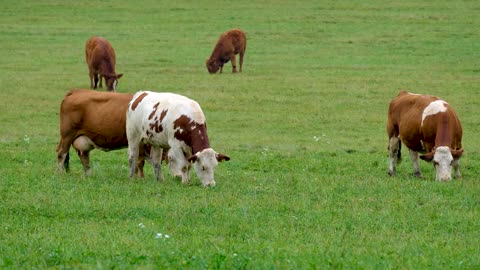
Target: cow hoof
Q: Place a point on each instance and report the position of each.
(391, 173)
(418, 174)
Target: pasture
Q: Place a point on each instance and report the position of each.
(304, 125)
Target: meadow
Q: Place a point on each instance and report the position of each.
(304, 125)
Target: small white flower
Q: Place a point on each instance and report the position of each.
(159, 235)
(141, 225)
(26, 139)
(167, 236)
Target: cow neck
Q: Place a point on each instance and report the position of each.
(193, 134)
(200, 142)
(444, 133)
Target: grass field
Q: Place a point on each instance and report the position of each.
(304, 124)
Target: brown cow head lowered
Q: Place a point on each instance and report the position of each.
(443, 158)
(212, 65)
(111, 80)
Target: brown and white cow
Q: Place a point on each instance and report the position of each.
(174, 123)
(425, 124)
(91, 119)
(100, 58)
(228, 45)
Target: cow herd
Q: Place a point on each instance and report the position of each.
(172, 128)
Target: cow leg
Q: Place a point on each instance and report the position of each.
(91, 75)
(95, 78)
(186, 173)
(178, 165)
(394, 147)
(132, 157)
(234, 63)
(100, 76)
(63, 155)
(134, 144)
(221, 68)
(84, 145)
(456, 168)
(241, 60)
(85, 159)
(416, 166)
(140, 165)
(63, 162)
(141, 161)
(156, 156)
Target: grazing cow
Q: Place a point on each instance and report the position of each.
(428, 125)
(90, 119)
(101, 63)
(174, 123)
(228, 45)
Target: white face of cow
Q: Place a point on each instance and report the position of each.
(442, 160)
(205, 164)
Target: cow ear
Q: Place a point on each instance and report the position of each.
(222, 157)
(192, 159)
(428, 157)
(119, 75)
(457, 153)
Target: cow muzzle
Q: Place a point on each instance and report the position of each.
(209, 183)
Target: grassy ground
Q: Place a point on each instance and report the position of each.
(304, 124)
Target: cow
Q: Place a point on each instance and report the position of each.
(100, 58)
(175, 123)
(89, 120)
(425, 124)
(228, 45)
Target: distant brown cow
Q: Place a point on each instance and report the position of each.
(91, 119)
(101, 63)
(428, 125)
(228, 45)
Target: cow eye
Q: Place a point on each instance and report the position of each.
(435, 163)
(203, 168)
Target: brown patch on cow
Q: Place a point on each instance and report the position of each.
(138, 100)
(155, 107)
(163, 114)
(156, 126)
(191, 133)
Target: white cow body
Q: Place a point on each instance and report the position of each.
(176, 124)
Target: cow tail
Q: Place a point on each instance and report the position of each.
(66, 162)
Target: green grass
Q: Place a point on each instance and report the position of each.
(304, 124)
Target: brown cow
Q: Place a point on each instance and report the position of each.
(228, 45)
(428, 125)
(101, 62)
(91, 119)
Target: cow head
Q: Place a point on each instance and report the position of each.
(212, 65)
(442, 158)
(111, 80)
(205, 162)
